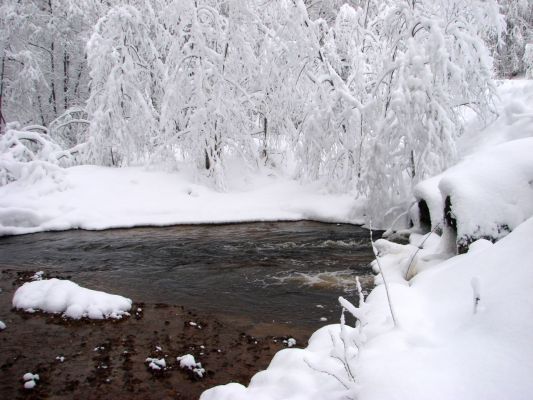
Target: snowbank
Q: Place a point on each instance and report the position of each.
(66, 297)
(486, 166)
(292, 374)
(463, 332)
(491, 192)
(90, 197)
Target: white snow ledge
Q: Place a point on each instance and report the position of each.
(73, 301)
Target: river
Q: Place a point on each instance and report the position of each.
(282, 272)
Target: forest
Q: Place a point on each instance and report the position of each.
(364, 96)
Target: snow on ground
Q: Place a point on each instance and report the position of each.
(90, 197)
(447, 345)
(73, 301)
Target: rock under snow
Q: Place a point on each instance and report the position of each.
(188, 362)
(73, 301)
(156, 363)
(30, 380)
(491, 192)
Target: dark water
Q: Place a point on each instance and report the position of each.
(288, 272)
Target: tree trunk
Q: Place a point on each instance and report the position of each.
(2, 119)
(66, 62)
(265, 132)
(53, 96)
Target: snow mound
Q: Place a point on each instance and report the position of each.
(73, 301)
(187, 361)
(491, 192)
(30, 380)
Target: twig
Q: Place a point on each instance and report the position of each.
(419, 248)
(383, 277)
(327, 373)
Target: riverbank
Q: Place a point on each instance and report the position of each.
(96, 198)
(106, 359)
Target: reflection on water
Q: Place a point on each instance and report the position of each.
(265, 271)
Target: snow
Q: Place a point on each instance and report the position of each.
(29, 384)
(30, 380)
(491, 191)
(187, 361)
(156, 363)
(463, 328)
(428, 190)
(29, 376)
(291, 342)
(2, 326)
(73, 301)
(515, 110)
(90, 197)
(38, 276)
(444, 346)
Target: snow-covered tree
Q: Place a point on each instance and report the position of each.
(365, 96)
(208, 113)
(42, 54)
(510, 49)
(528, 60)
(121, 57)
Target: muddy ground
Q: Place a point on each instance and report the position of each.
(106, 359)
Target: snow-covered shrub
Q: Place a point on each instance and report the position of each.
(30, 150)
(511, 46)
(70, 129)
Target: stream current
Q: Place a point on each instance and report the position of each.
(282, 272)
